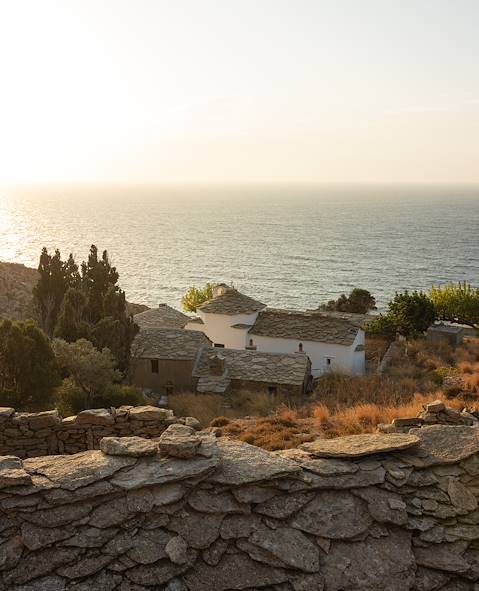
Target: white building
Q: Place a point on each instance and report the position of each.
(235, 321)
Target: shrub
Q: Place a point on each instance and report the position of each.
(219, 422)
(204, 407)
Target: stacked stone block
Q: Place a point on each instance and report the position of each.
(27, 435)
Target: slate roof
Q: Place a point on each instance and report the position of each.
(162, 317)
(231, 302)
(168, 343)
(304, 326)
(258, 366)
(357, 319)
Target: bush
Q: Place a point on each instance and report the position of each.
(71, 399)
(204, 407)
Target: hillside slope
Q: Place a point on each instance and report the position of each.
(16, 284)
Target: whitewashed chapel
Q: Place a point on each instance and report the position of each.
(233, 320)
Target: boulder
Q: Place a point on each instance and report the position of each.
(333, 514)
(461, 497)
(384, 506)
(291, 546)
(12, 472)
(234, 572)
(179, 441)
(95, 416)
(443, 557)
(384, 564)
(150, 413)
(210, 502)
(199, 530)
(443, 444)
(176, 549)
(128, 446)
(35, 537)
(355, 446)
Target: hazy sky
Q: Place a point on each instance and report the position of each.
(146, 91)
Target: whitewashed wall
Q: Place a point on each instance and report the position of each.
(343, 359)
(217, 328)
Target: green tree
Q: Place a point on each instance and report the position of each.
(88, 305)
(195, 296)
(457, 303)
(28, 371)
(88, 369)
(409, 314)
(71, 324)
(359, 301)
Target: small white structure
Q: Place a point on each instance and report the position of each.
(235, 321)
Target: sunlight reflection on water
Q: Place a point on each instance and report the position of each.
(291, 247)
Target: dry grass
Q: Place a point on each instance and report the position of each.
(204, 407)
(344, 405)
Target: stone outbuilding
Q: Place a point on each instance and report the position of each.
(163, 316)
(229, 370)
(162, 359)
(452, 334)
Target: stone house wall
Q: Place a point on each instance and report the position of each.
(383, 512)
(177, 372)
(28, 435)
(288, 390)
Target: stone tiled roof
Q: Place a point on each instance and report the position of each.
(258, 366)
(357, 319)
(304, 326)
(162, 317)
(168, 343)
(231, 302)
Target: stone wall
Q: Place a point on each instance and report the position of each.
(27, 435)
(188, 512)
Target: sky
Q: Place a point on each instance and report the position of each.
(239, 91)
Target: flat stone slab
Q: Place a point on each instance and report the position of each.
(6, 412)
(135, 447)
(12, 472)
(241, 463)
(356, 446)
(150, 413)
(72, 472)
(95, 416)
(443, 444)
(179, 441)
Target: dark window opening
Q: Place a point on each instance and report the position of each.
(300, 347)
(272, 390)
(328, 361)
(219, 345)
(155, 366)
(251, 342)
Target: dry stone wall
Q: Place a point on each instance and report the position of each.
(28, 435)
(189, 512)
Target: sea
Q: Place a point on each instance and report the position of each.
(290, 246)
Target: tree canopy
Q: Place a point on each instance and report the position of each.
(359, 301)
(28, 371)
(457, 303)
(195, 296)
(86, 303)
(409, 314)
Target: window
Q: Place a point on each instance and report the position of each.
(272, 390)
(155, 366)
(219, 345)
(251, 343)
(300, 347)
(328, 361)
